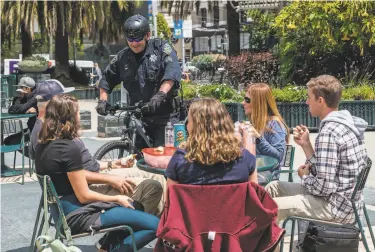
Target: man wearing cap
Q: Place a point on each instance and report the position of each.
(23, 103)
(150, 72)
(110, 184)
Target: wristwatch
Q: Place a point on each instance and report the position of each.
(109, 165)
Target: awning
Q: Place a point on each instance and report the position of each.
(260, 4)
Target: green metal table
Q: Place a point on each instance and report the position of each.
(264, 163)
(5, 170)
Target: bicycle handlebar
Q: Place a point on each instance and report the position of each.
(134, 108)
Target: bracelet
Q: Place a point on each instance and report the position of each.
(109, 165)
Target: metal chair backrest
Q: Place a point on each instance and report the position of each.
(362, 178)
(11, 127)
(289, 156)
(53, 203)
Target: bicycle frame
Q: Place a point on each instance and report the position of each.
(134, 126)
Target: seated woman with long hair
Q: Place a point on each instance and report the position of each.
(60, 158)
(213, 154)
(270, 130)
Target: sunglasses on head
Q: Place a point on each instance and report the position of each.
(134, 39)
(247, 99)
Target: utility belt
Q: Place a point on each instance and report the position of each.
(170, 105)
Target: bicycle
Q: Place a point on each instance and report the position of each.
(126, 145)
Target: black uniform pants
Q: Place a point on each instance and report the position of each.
(155, 130)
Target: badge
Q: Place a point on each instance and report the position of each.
(153, 58)
(168, 59)
(167, 49)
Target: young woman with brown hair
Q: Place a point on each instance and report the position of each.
(270, 130)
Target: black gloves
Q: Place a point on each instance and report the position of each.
(155, 102)
(103, 107)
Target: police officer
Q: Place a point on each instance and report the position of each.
(149, 71)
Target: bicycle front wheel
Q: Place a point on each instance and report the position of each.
(113, 150)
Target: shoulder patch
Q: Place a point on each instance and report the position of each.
(169, 59)
(167, 49)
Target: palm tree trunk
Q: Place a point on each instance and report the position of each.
(61, 48)
(234, 32)
(27, 42)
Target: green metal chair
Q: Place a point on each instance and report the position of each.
(361, 181)
(56, 211)
(8, 128)
(287, 166)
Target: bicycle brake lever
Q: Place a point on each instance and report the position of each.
(113, 109)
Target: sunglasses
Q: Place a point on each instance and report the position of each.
(134, 39)
(247, 99)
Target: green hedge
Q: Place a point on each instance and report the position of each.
(288, 93)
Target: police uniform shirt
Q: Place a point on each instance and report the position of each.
(143, 77)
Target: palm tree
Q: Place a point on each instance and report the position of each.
(64, 20)
(182, 9)
(15, 21)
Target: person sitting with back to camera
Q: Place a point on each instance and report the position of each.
(60, 158)
(213, 154)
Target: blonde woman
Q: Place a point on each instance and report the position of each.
(270, 129)
(213, 155)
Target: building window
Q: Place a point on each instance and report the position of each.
(216, 13)
(187, 55)
(204, 17)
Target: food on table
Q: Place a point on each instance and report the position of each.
(128, 161)
(160, 149)
(158, 157)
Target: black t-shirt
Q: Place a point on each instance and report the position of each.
(55, 159)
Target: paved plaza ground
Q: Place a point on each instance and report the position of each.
(19, 202)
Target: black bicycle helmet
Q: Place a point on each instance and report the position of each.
(136, 27)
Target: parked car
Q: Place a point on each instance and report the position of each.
(189, 67)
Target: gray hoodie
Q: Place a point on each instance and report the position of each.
(356, 124)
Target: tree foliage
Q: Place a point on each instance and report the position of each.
(322, 36)
(67, 21)
(163, 26)
(262, 32)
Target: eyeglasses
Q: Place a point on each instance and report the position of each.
(247, 99)
(134, 39)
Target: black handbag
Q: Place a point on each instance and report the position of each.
(325, 237)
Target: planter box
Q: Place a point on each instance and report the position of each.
(89, 93)
(295, 113)
(114, 97)
(84, 94)
(110, 126)
(85, 119)
(32, 66)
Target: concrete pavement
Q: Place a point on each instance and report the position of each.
(19, 203)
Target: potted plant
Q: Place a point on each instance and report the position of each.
(33, 64)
